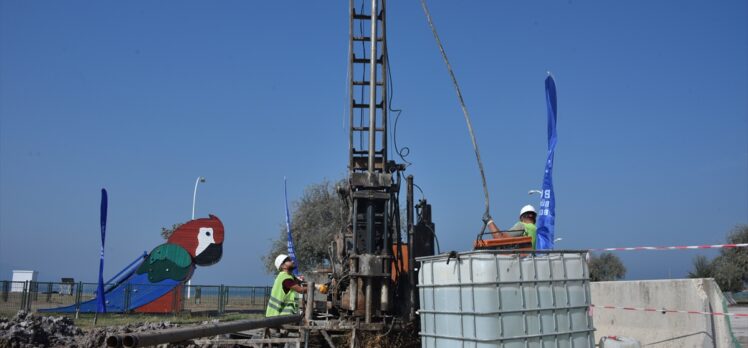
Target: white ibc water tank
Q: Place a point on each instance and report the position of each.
(495, 298)
(619, 342)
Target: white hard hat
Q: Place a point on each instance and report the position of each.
(527, 209)
(279, 260)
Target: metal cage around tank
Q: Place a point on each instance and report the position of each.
(502, 298)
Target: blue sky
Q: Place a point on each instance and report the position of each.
(143, 97)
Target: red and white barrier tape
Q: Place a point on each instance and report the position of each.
(712, 246)
(663, 311)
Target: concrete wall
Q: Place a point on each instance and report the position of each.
(655, 329)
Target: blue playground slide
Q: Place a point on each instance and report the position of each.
(141, 292)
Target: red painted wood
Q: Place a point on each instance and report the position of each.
(185, 234)
(168, 303)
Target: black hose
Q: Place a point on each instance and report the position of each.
(462, 105)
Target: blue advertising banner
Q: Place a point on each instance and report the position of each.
(291, 250)
(547, 212)
(100, 300)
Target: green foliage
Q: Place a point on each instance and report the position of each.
(316, 217)
(730, 268)
(606, 267)
(167, 232)
(701, 268)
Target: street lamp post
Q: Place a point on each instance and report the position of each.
(194, 196)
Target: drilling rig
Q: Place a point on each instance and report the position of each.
(373, 258)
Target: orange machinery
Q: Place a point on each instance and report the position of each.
(510, 240)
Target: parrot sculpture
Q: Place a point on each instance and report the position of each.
(199, 242)
(153, 283)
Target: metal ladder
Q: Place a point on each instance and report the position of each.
(367, 87)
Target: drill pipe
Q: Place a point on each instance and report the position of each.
(142, 339)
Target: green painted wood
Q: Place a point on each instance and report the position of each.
(172, 252)
(167, 261)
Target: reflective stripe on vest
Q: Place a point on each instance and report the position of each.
(280, 302)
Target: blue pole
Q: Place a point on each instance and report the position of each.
(291, 249)
(100, 300)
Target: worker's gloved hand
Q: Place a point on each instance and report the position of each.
(322, 288)
(486, 218)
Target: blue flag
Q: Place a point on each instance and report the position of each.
(291, 250)
(547, 212)
(100, 300)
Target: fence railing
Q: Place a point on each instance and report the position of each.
(214, 299)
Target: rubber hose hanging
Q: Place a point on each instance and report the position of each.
(464, 108)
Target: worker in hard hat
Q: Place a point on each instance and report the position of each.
(284, 295)
(526, 223)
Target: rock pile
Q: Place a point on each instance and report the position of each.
(26, 330)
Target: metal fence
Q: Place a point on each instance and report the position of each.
(214, 299)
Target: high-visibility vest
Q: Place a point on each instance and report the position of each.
(531, 230)
(280, 302)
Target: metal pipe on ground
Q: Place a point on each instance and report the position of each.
(142, 339)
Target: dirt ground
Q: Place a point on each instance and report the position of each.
(26, 330)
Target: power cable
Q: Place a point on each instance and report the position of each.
(462, 105)
(419, 215)
(419, 189)
(405, 151)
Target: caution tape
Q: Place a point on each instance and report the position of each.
(664, 310)
(711, 246)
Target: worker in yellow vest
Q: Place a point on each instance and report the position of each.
(284, 299)
(526, 223)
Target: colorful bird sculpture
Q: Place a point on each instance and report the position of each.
(154, 283)
(198, 242)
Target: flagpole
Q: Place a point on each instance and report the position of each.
(289, 245)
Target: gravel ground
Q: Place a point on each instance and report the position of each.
(26, 330)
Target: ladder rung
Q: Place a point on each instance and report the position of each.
(365, 38)
(365, 60)
(365, 16)
(365, 152)
(365, 83)
(365, 106)
(366, 129)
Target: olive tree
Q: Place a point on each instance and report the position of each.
(702, 268)
(316, 217)
(606, 267)
(166, 232)
(730, 268)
